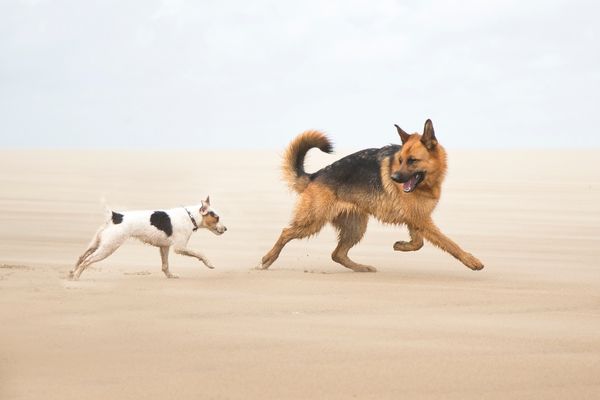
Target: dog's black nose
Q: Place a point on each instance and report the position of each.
(224, 229)
(398, 177)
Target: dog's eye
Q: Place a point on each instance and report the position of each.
(411, 161)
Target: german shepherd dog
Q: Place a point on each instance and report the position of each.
(397, 184)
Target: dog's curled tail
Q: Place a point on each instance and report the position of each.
(293, 159)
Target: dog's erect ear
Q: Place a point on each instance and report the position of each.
(205, 206)
(403, 135)
(428, 138)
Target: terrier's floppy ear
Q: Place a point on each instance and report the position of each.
(403, 135)
(428, 139)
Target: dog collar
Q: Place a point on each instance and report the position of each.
(192, 219)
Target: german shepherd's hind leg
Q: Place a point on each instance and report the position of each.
(416, 241)
(295, 231)
(351, 228)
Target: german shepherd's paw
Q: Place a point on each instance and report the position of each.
(472, 262)
(262, 266)
(407, 246)
(364, 268)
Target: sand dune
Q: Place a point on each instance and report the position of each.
(424, 326)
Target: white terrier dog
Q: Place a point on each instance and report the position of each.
(162, 229)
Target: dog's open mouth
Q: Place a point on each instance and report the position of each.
(412, 182)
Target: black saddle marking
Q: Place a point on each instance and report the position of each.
(361, 170)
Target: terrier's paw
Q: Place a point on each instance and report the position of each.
(208, 264)
(172, 276)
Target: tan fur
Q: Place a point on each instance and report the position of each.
(297, 149)
(210, 221)
(318, 203)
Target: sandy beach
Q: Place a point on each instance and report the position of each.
(424, 326)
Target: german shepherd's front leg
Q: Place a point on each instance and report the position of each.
(416, 241)
(436, 237)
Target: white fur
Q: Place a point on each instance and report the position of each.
(136, 224)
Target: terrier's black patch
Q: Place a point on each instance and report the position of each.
(117, 218)
(162, 222)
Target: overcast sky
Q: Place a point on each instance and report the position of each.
(195, 74)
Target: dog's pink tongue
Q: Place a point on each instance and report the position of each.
(409, 185)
